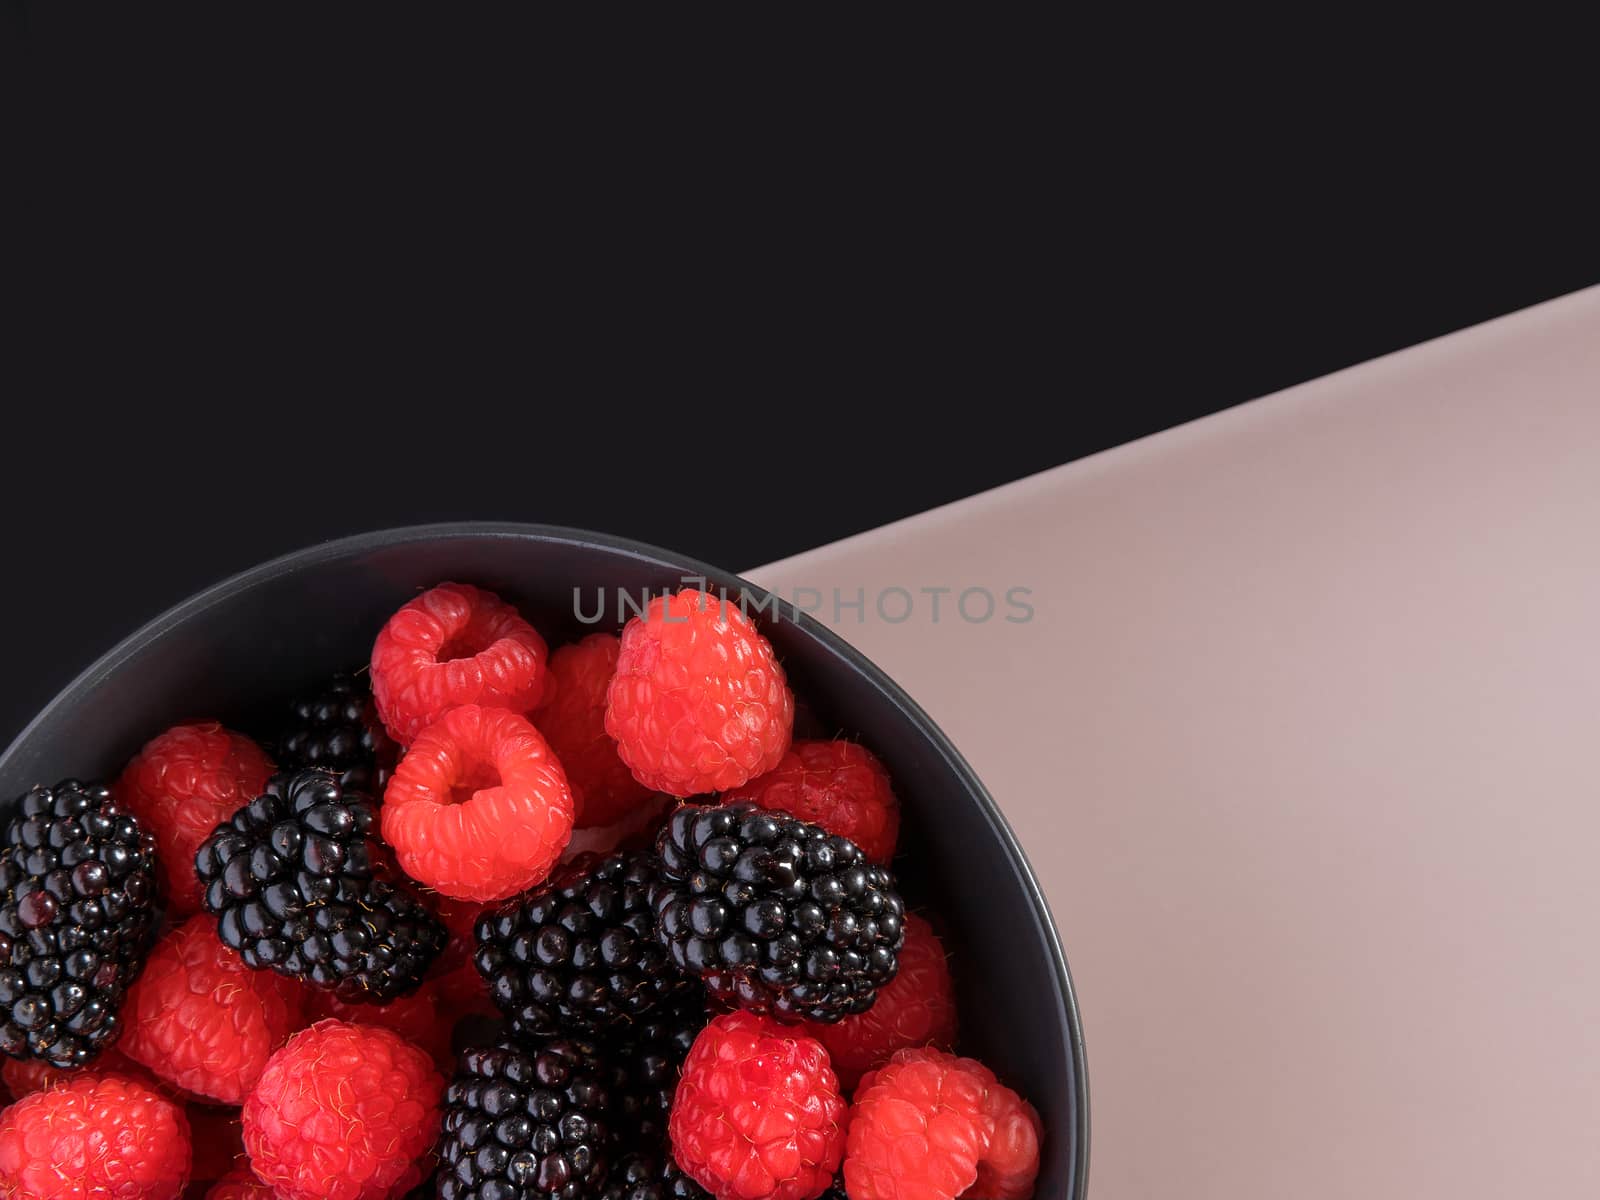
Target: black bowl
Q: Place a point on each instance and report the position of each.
(237, 650)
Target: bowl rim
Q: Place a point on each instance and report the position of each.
(343, 547)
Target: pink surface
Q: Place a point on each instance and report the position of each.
(1304, 743)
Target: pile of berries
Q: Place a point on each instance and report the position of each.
(489, 923)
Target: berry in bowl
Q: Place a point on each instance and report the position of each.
(511, 863)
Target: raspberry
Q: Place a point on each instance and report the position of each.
(199, 1018)
(572, 717)
(218, 1138)
(478, 809)
(454, 645)
(837, 785)
(94, 1137)
(1011, 1165)
(931, 1126)
(757, 1112)
(240, 1184)
(916, 1008)
(698, 702)
(24, 1076)
(343, 1112)
(184, 784)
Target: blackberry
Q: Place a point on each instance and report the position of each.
(300, 885)
(77, 890)
(775, 914)
(337, 729)
(648, 1059)
(578, 954)
(526, 1124)
(653, 1177)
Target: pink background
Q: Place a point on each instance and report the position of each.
(1304, 743)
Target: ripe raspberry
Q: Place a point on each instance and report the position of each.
(478, 809)
(698, 702)
(924, 1127)
(24, 1076)
(1011, 1166)
(181, 786)
(454, 645)
(94, 1137)
(240, 1184)
(837, 785)
(757, 1112)
(343, 1112)
(916, 1008)
(218, 1137)
(572, 717)
(199, 1018)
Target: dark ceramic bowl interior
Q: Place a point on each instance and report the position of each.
(238, 650)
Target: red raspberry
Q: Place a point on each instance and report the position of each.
(419, 1018)
(24, 1076)
(454, 645)
(924, 1127)
(184, 784)
(202, 1020)
(572, 717)
(698, 703)
(218, 1137)
(478, 809)
(343, 1112)
(1011, 1166)
(757, 1112)
(94, 1136)
(837, 785)
(241, 1184)
(916, 1008)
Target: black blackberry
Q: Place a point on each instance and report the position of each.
(337, 729)
(526, 1124)
(657, 1177)
(77, 886)
(648, 1059)
(578, 954)
(776, 914)
(649, 1176)
(301, 886)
